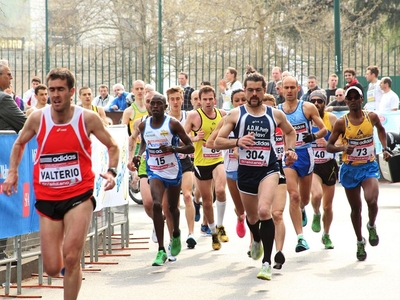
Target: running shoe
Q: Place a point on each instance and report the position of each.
(176, 245)
(205, 230)
(316, 223)
(279, 260)
(326, 240)
(301, 245)
(191, 241)
(216, 244)
(256, 250)
(160, 259)
(197, 210)
(240, 227)
(154, 236)
(265, 273)
(222, 234)
(170, 256)
(373, 236)
(361, 254)
(304, 217)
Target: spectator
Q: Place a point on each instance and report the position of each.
(312, 85)
(389, 100)
(227, 85)
(272, 85)
(280, 99)
(374, 92)
(11, 118)
(351, 80)
(104, 99)
(203, 83)
(18, 100)
(187, 91)
(339, 104)
(29, 96)
(119, 102)
(332, 87)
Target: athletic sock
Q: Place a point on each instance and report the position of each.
(212, 228)
(220, 212)
(255, 230)
(267, 232)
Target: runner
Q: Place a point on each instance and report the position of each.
(359, 168)
(63, 178)
(208, 162)
(325, 172)
(161, 135)
(254, 127)
(175, 101)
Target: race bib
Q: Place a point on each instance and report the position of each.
(210, 153)
(59, 170)
(257, 155)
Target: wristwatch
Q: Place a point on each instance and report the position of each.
(173, 149)
(113, 171)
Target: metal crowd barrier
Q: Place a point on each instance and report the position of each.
(101, 235)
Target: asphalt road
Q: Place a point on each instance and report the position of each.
(202, 273)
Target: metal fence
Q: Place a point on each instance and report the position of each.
(97, 64)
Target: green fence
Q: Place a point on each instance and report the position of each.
(97, 64)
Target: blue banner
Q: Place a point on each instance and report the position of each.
(17, 212)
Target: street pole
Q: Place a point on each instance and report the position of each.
(338, 46)
(160, 66)
(47, 38)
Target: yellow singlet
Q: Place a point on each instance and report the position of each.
(204, 156)
(362, 137)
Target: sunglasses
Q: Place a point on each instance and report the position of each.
(353, 98)
(320, 101)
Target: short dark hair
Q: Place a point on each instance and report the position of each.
(85, 87)
(63, 74)
(36, 79)
(350, 70)
(205, 83)
(255, 77)
(235, 92)
(102, 86)
(387, 80)
(206, 89)
(184, 74)
(374, 70)
(40, 87)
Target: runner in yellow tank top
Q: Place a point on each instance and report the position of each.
(136, 110)
(204, 156)
(359, 169)
(208, 163)
(85, 95)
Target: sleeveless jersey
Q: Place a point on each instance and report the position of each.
(62, 170)
(137, 113)
(204, 156)
(362, 137)
(94, 108)
(300, 124)
(320, 154)
(182, 120)
(231, 162)
(164, 164)
(262, 153)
